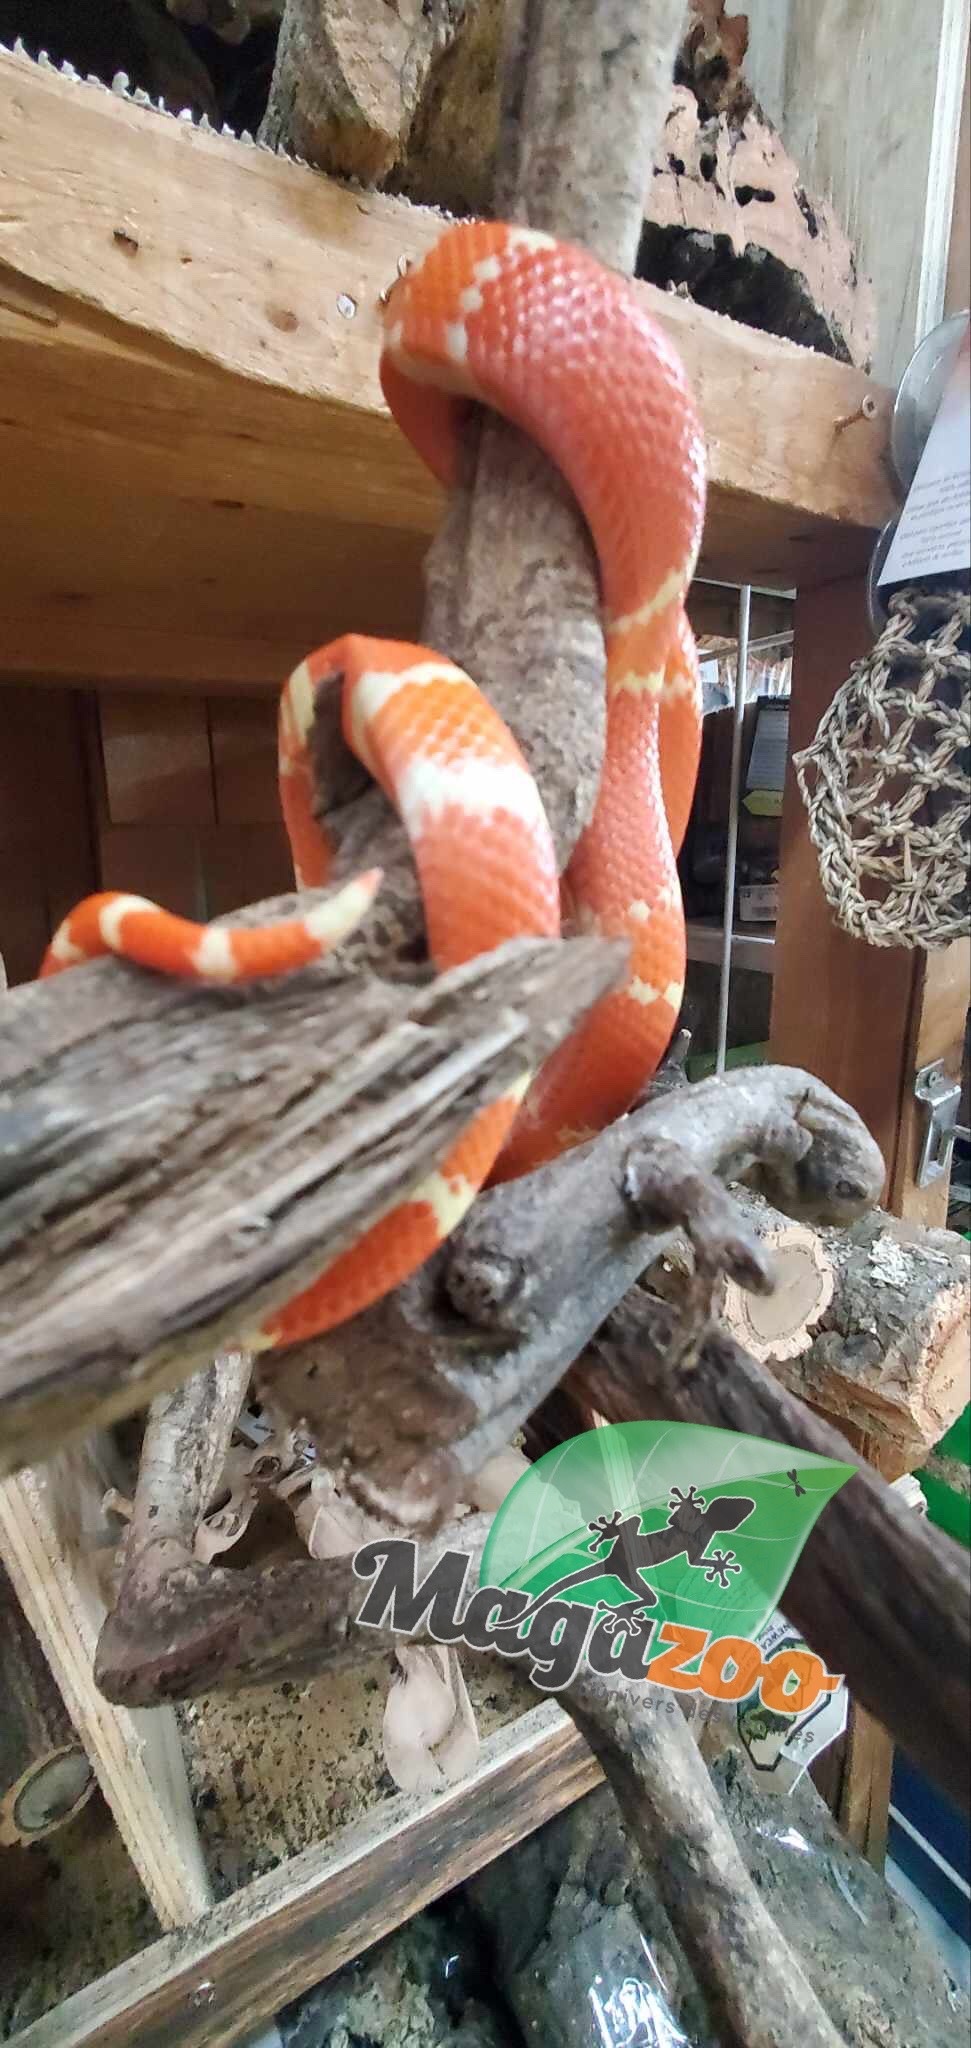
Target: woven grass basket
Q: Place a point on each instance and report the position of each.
(886, 779)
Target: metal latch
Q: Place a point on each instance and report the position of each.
(941, 1095)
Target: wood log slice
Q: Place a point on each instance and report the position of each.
(869, 1325)
(45, 1776)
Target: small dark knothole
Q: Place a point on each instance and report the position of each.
(708, 165)
(808, 212)
(746, 193)
(677, 165)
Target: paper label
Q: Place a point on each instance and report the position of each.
(934, 531)
(780, 1747)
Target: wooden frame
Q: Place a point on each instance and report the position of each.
(45, 1519)
(247, 1957)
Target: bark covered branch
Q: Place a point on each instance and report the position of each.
(414, 1396)
(175, 1162)
(758, 1995)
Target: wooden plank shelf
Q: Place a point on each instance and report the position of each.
(208, 482)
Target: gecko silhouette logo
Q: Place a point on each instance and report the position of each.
(655, 1549)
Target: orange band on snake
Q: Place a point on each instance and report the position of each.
(565, 350)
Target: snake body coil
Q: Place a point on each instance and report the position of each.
(564, 349)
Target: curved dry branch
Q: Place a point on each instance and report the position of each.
(415, 1395)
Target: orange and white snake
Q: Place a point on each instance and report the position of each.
(565, 349)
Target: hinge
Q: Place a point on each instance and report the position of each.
(941, 1096)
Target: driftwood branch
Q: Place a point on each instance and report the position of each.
(180, 1628)
(758, 1996)
(187, 1436)
(413, 1397)
(881, 1595)
(175, 1162)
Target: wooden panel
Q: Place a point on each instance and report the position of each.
(213, 401)
(244, 863)
(156, 756)
(288, 1930)
(25, 924)
(46, 846)
(839, 1007)
(162, 862)
(882, 150)
(227, 597)
(243, 738)
(47, 1518)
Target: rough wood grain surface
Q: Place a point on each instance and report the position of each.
(231, 383)
(255, 1952)
(727, 217)
(47, 1520)
(880, 1342)
(177, 1161)
(445, 1372)
(511, 582)
(349, 76)
(415, 1395)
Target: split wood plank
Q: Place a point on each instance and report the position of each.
(147, 347)
(283, 1933)
(47, 1519)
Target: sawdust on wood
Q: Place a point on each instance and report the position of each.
(272, 1772)
(71, 1909)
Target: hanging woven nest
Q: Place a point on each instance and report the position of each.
(886, 784)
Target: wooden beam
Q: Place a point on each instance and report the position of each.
(226, 384)
(47, 1521)
(271, 1941)
(839, 1007)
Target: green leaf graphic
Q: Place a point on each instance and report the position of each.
(541, 1532)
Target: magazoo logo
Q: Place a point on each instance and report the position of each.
(655, 1549)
